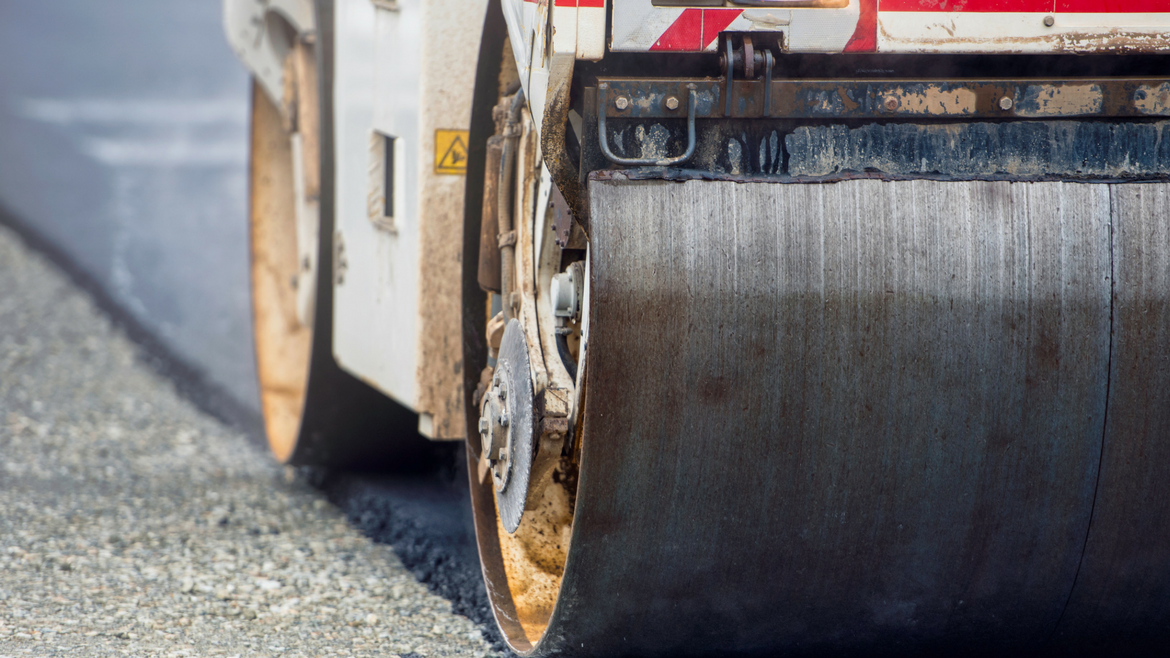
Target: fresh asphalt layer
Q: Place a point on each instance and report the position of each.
(134, 523)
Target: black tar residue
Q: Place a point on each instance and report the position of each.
(427, 520)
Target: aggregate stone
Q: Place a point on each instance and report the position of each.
(132, 524)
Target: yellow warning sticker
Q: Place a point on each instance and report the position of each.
(451, 152)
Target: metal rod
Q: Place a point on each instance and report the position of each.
(504, 200)
(768, 62)
(730, 76)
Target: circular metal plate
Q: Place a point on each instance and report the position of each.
(513, 361)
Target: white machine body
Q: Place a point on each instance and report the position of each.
(404, 78)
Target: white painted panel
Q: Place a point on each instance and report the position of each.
(1020, 32)
(260, 48)
(637, 24)
(520, 17)
(591, 32)
(376, 307)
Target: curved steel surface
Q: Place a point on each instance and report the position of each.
(1121, 602)
(824, 418)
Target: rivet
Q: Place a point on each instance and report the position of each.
(1005, 103)
(671, 103)
(892, 103)
(1049, 21)
(621, 102)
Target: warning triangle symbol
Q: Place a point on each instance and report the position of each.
(456, 155)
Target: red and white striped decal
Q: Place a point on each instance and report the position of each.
(641, 26)
(1113, 6)
(1032, 6)
(695, 29)
(573, 3)
(905, 26)
(864, 39)
(577, 24)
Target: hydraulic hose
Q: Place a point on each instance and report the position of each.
(505, 205)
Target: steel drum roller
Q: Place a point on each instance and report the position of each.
(868, 413)
(824, 418)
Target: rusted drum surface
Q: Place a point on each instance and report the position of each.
(861, 415)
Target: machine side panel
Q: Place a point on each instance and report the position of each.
(376, 278)
(450, 54)
(405, 75)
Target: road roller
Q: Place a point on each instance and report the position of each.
(771, 327)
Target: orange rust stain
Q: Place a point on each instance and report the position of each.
(849, 103)
(1152, 100)
(283, 345)
(936, 102)
(1062, 100)
(534, 557)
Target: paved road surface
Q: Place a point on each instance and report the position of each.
(123, 144)
(133, 524)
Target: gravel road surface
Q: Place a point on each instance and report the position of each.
(132, 524)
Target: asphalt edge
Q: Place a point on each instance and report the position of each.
(191, 382)
(450, 571)
(377, 517)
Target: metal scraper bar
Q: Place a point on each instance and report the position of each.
(656, 98)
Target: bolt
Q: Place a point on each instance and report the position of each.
(892, 103)
(483, 425)
(503, 393)
(671, 103)
(621, 102)
(504, 420)
(1049, 21)
(1005, 103)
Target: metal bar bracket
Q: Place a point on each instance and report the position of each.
(603, 138)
